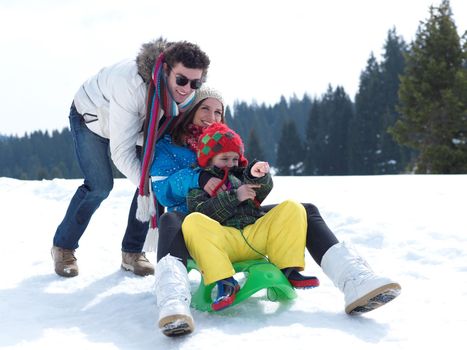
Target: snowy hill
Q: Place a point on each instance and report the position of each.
(410, 227)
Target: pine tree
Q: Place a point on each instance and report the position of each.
(433, 96)
(39, 155)
(366, 125)
(267, 121)
(290, 151)
(300, 110)
(336, 112)
(392, 157)
(253, 148)
(372, 148)
(313, 161)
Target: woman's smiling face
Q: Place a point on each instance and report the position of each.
(209, 111)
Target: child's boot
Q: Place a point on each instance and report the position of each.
(226, 292)
(297, 280)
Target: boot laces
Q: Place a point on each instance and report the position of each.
(68, 256)
(141, 257)
(364, 271)
(358, 271)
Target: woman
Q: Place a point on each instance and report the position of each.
(174, 173)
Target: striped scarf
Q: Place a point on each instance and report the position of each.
(161, 111)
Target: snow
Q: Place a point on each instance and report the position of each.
(409, 227)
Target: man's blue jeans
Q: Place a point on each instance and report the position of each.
(94, 160)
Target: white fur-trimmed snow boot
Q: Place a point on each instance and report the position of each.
(363, 289)
(173, 297)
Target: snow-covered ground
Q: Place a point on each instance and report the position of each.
(410, 227)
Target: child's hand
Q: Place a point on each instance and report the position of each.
(260, 169)
(212, 184)
(246, 191)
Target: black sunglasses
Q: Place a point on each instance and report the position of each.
(182, 80)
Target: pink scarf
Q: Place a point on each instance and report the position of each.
(191, 139)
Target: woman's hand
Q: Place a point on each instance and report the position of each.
(246, 191)
(259, 169)
(212, 184)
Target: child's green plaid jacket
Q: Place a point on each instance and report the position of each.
(225, 207)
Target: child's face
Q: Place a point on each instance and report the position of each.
(225, 160)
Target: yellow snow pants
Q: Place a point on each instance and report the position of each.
(280, 234)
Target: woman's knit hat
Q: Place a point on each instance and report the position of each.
(219, 138)
(207, 92)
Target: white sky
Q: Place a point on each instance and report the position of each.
(259, 50)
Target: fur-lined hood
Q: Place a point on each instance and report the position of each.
(147, 57)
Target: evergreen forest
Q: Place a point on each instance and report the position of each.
(409, 115)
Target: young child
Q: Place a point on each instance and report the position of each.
(229, 225)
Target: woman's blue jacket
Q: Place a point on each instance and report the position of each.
(174, 173)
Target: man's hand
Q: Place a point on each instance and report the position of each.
(212, 184)
(246, 191)
(259, 169)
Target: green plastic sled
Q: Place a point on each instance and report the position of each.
(260, 274)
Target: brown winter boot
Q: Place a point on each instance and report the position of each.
(65, 262)
(137, 263)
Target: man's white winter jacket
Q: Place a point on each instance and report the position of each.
(113, 104)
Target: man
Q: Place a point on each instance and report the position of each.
(109, 113)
